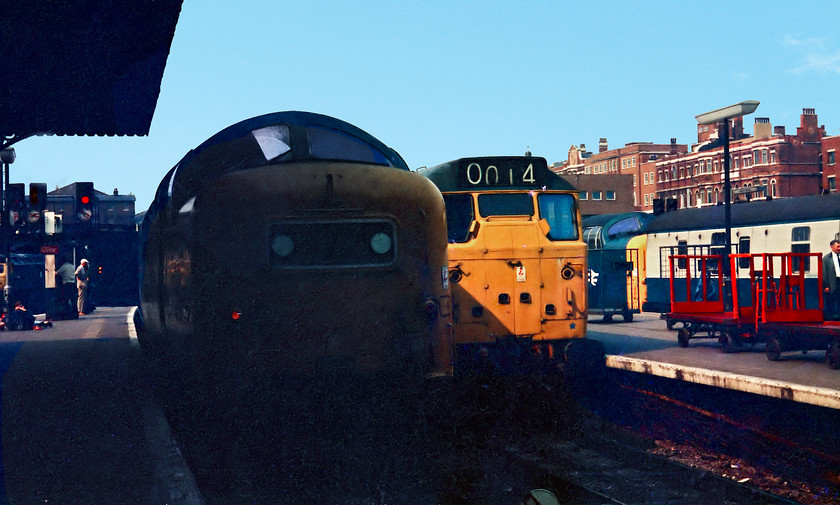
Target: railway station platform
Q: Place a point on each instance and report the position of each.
(647, 346)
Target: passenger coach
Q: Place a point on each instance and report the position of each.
(790, 225)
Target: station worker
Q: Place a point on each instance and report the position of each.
(82, 278)
(831, 282)
(66, 278)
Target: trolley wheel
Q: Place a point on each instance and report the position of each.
(669, 323)
(607, 318)
(628, 317)
(728, 342)
(683, 336)
(832, 357)
(774, 349)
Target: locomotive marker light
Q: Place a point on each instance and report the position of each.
(722, 116)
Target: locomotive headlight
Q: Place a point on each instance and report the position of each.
(380, 243)
(282, 245)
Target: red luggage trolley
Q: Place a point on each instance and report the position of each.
(701, 307)
(790, 311)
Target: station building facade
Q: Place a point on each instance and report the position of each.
(769, 163)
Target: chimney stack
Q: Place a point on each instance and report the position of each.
(602, 145)
(673, 145)
(762, 128)
(779, 131)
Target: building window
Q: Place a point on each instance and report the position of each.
(584, 195)
(772, 156)
(634, 180)
(633, 160)
(596, 195)
(682, 173)
(646, 178)
(610, 195)
(651, 177)
(831, 158)
(773, 192)
(764, 156)
(660, 176)
(755, 158)
(623, 163)
(647, 200)
(832, 184)
(716, 166)
(737, 163)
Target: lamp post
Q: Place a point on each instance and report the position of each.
(722, 116)
(7, 157)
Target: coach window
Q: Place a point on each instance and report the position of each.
(459, 216)
(744, 248)
(682, 249)
(800, 243)
(561, 214)
(717, 249)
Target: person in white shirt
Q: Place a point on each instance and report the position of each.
(82, 278)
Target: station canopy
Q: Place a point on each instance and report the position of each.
(82, 67)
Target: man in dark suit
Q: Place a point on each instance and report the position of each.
(831, 282)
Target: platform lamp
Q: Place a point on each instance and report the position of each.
(722, 117)
(7, 157)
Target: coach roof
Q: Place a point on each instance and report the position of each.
(786, 210)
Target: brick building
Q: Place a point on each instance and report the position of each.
(605, 194)
(830, 167)
(626, 161)
(770, 163)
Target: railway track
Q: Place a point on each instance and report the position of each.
(780, 447)
(475, 440)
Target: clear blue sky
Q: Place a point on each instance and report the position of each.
(439, 80)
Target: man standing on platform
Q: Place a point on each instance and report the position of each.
(82, 278)
(831, 282)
